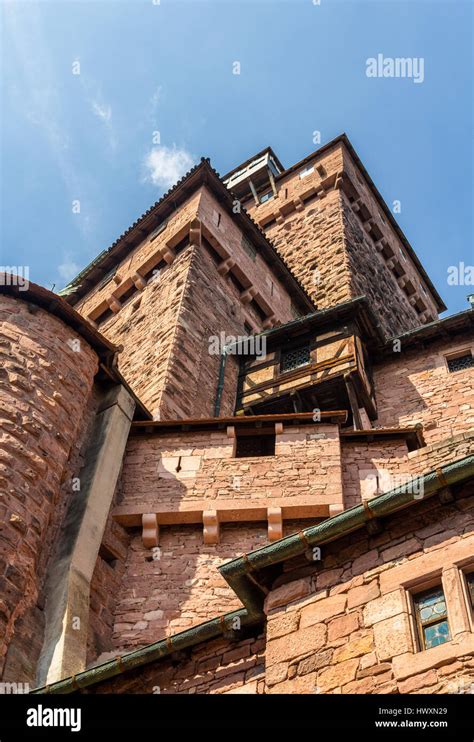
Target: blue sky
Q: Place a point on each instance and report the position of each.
(168, 67)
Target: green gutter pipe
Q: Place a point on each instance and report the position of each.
(220, 383)
(236, 572)
(238, 575)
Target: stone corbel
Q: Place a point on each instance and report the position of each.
(224, 267)
(269, 322)
(150, 530)
(247, 295)
(195, 232)
(210, 519)
(298, 204)
(275, 524)
(278, 428)
(139, 281)
(231, 431)
(114, 304)
(168, 255)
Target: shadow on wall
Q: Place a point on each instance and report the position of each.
(176, 585)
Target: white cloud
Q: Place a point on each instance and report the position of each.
(68, 269)
(164, 166)
(101, 110)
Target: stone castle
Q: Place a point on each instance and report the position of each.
(237, 451)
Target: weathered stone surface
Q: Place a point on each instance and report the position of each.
(322, 610)
(337, 675)
(343, 626)
(355, 647)
(294, 645)
(392, 636)
(363, 594)
(384, 607)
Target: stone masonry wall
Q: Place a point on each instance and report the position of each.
(368, 469)
(182, 587)
(45, 388)
(218, 666)
(165, 326)
(331, 248)
(172, 468)
(348, 626)
(414, 386)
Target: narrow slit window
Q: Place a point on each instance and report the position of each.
(431, 618)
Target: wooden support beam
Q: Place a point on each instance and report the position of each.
(254, 192)
(114, 304)
(224, 267)
(353, 402)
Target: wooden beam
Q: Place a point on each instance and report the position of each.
(357, 420)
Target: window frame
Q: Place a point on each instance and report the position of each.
(419, 625)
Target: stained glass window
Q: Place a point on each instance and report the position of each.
(432, 618)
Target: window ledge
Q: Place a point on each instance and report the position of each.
(413, 663)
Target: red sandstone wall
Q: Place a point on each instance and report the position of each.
(182, 587)
(218, 666)
(414, 386)
(166, 326)
(305, 469)
(348, 627)
(345, 626)
(46, 405)
(310, 238)
(314, 227)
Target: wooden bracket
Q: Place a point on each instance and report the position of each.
(374, 527)
(150, 530)
(210, 519)
(275, 524)
(351, 393)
